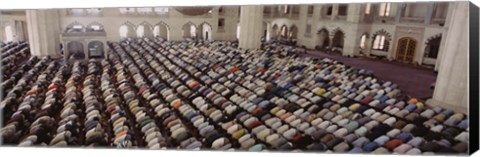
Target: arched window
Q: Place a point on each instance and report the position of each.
(123, 31)
(329, 10)
(95, 27)
(342, 10)
(363, 39)
(381, 40)
(380, 43)
(75, 27)
(9, 33)
(140, 31)
(384, 9)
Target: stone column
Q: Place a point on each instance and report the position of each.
(444, 36)
(301, 26)
(317, 11)
(398, 16)
(330, 38)
(429, 15)
(250, 27)
(354, 13)
(451, 88)
(334, 11)
(290, 11)
(44, 32)
(351, 44)
(19, 33)
(272, 11)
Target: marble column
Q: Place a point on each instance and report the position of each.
(19, 31)
(44, 32)
(290, 11)
(429, 15)
(334, 11)
(272, 11)
(251, 27)
(400, 9)
(451, 88)
(301, 26)
(351, 46)
(444, 35)
(330, 38)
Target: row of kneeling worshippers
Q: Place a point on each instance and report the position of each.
(14, 56)
(210, 95)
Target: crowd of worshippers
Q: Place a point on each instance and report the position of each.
(195, 95)
(13, 53)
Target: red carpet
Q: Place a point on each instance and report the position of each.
(413, 81)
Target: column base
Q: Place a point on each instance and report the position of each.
(433, 103)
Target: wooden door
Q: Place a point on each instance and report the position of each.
(406, 49)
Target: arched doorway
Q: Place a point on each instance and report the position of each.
(75, 50)
(337, 41)
(144, 30)
(127, 31)
(292, 35)
(284, 32)
(265, 34)
(433, 47)
(140, 31)
(406, 49)
(161, 30)
(95, 49)
(206, 31)
(275, 31)
(323, 40)
(189, 30)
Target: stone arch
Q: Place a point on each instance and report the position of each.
(189, 30)
(162, 29)
(205, 30)
(95, 27)
(338, 38)
(265, 30)
(323, 38)
(275, 31)
(336, 30)
(95, 49)
(381, 40)
(363, 40)
(293, 33)
(127, 30)
(432, 46)
(75, 27)
(284, 31)
(75, 50)
(147, 30)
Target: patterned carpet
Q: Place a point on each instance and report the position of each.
(414, 81)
